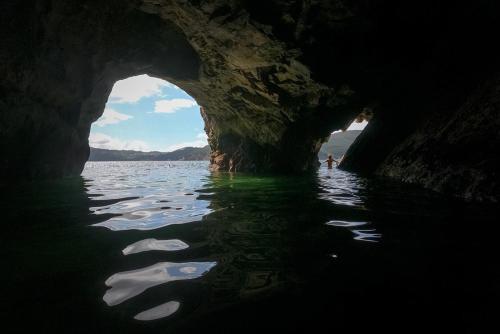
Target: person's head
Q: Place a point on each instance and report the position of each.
(329, 156)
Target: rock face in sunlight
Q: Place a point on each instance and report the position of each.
(274, 78)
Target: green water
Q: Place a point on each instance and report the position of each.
(168, 247)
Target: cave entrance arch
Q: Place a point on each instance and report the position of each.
(339, 142)
(264, 109)
(273, 86)
(148, 118)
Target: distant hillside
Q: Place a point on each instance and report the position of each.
(186, 153)
(338, 144)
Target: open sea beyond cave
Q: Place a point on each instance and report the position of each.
(168, 247)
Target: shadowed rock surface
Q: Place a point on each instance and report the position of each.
(274, 78)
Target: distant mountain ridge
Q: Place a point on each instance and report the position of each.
(338, 144)
(183, 154)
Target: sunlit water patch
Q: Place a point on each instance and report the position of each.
(158, 312)
(129, 284)
(152, 198)
(341, 187)
(153, 244)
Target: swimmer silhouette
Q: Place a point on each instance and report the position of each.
(330, 161)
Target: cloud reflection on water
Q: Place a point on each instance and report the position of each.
(158, 312)
(128, 284)
(154, 244)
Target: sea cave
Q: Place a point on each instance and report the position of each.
(273, 79)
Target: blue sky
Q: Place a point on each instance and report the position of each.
(149, 114)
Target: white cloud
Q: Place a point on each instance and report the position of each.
(100, 140)
(357, 126)
(111, 116)
(354, 126)
(201, 141)
(202, 135)
(173, 105)
(133, 89)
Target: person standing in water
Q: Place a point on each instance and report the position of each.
(330, 161)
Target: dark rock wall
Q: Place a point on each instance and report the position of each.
(62, 58)
(444, 61)
(274, 77)
(58, 63)
(457, 153)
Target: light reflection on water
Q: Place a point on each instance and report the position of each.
(341, 188)
(128, 284)
(159, 312)
(184, 194)
(153, 244)
(368, 235)
(184, 249)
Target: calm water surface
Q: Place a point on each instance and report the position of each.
(168, 247)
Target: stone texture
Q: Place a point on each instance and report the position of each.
(274, 79)
(456, 153)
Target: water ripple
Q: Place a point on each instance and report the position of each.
(367, 235)
(154, 244)
(137, 201)
(128, 284)
(158, 312)
(341, 188)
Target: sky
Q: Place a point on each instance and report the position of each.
(357, 126)
(149, 114)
